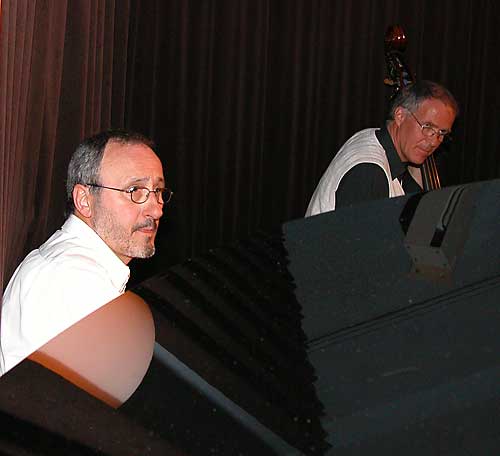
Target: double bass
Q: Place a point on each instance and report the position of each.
(398, 77)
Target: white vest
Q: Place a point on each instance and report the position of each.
(362, 147)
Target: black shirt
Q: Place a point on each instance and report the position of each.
(374, 181)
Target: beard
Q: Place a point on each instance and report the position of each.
(119, 238)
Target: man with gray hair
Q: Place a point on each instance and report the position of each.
(116, 192)
(376, 163)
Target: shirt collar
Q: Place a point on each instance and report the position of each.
(395, 164)
(119, 272)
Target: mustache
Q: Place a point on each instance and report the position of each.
(147, 224)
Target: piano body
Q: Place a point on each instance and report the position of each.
(372, 328)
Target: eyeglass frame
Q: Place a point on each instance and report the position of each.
(443, 137)
(133, 188)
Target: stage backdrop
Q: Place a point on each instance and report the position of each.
(248, 101)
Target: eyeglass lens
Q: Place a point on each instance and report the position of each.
(430, 132)
(140, 195)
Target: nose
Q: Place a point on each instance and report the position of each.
(436, 140)
(153, 207)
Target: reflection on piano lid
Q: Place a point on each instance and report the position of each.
(319, 339)
(231, 317)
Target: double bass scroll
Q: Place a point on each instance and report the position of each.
(398, 77)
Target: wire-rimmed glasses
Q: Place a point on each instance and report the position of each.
(140, 195)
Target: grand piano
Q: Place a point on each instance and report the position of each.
(373, 328)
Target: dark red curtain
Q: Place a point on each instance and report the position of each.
(62, 77)
(248, 101)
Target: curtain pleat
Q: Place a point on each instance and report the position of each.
(57, 86)
(16, 48)
(249, 101)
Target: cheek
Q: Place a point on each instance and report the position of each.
(413, 138)
(125, 216)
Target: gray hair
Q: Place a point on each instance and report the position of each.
(85, 164)
(412, 96)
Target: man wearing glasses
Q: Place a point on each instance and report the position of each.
(374, 163)
(116, 193)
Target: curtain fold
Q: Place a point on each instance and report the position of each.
(59, 63)
(16, 50)
(249, 101)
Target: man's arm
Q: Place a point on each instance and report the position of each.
(364, 182)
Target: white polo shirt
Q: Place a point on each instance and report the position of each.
(68, 277)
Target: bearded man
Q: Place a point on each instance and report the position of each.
(116, 193)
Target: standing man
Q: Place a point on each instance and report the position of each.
(116, 192)
(373, 163)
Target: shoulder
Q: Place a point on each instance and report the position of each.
(63, 261)
(73, 259)
(45, 296)
(60, 278)
(363, 142)
(366, 136)
(362, 147)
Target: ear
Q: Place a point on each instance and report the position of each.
(400, 114)
(82, 200)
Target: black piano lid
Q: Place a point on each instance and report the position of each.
(403, 335)
(351, 332)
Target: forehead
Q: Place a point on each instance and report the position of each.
(435, 112)
(127, 162)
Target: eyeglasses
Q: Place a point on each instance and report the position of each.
(140, 195)
(429, 131)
